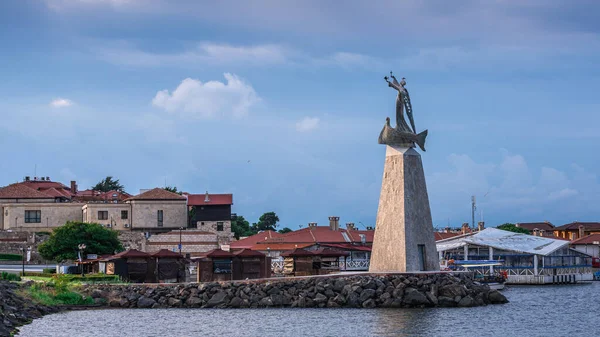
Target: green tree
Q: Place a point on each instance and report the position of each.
(285, 230)
(108, 184)
(241, 227)
(266, 222)
(513, 228)
(64, 241)
(172, 189)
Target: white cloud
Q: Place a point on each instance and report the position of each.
(61, 103)
(194, 98)
(307, 124)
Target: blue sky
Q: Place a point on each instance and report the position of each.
(281, 103)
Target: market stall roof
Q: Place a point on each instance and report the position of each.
(248, 253)
(328, 252)
(505, 240)
(298, 252)
(167, 253)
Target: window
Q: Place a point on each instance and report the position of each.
(219, 226)
(124, 215)
(102, 215)
(422, 257)
(159, 215)
(33, 216)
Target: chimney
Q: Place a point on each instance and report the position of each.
(312, 224)
(581, 231)
(370, 228)
(34, 178)
(206, 197)
(73, 187)
(447, 230)
(43, 179)
(27, 178)
(542, 232)
(465, 228)
(47, 178)
(536, 232)
(350, 226)
(334, 223)
(480, 225)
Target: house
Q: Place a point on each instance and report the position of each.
(211, 213)
(588, 244)
(576, 230)
(250, 241)
(527, 259)
(158, 210)
(538, 228)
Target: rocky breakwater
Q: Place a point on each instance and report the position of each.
(16, 310)
(358, 291)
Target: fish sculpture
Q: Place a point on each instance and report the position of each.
(393, 136)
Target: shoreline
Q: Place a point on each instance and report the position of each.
(358, 290)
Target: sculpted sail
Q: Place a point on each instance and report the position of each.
(402, 134)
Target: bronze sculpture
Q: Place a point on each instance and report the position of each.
(402, 134)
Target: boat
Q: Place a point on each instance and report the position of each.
(483, 271)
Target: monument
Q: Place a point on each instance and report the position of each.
(404, 240)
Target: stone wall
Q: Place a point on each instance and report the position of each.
(52, 215)
(225, 236)
(133, 240)
(192, 242)
(145, 214)
(90, 214)
(357, 291)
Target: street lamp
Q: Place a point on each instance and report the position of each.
(180, 229)
(81, 249)
(23, 260)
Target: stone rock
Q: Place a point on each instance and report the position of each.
(453, 290)
(466, 302)
(266, 302)
(114, 303)
(339, 285)
(370, 303)
(496, 297)
(320, 298)
(446, 302)
(431, 298)
(174, 302)
(97, 293)
(193, 302)
(414, 298)
(236, 302)
(366, 294)
(353, 300)
(217, 299)
(277, 300)
(145, 302)
(123, 302)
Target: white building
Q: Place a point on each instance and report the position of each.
(527, 259)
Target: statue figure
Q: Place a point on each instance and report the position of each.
(402, 134)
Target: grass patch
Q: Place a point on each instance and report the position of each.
(55, 294)
(11, 257)
(9, 276)
(38, 278)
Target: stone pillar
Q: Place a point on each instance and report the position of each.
(404, 239)
(535, 265)
(466, 252)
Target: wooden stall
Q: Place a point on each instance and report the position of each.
(250, 264)
(298, 262)
(327, 260)
(215, 265)
(169, 266)
(131, 265)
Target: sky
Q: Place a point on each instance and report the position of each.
(281, 102)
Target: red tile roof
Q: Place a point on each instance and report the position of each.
(22, 191)
(348, 246)
(262, 246)
(157, 194)
(131, 253)
(323, 234)
(217, 253)
(252, 240)
(248, 253)
(442, 235)
(575, 226)
(166, 253)
(533, 225)
(213, 199)
(330, 252)
(298, 252)
(593, 239)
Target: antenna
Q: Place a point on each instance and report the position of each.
(473, 208)
(35, 170)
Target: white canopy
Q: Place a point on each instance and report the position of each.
(504, 240)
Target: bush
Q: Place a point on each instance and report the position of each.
(10, 276)
(49, 270)
(11, 257)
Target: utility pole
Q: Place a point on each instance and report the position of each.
(473, 208)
